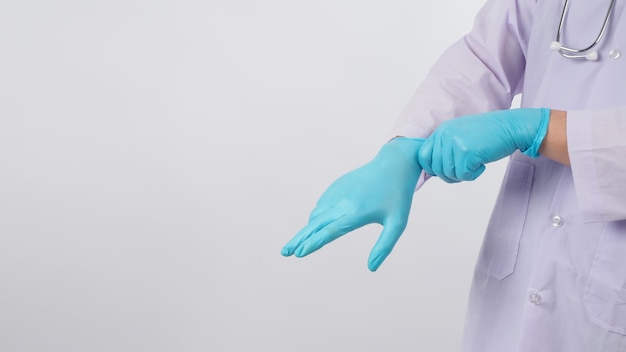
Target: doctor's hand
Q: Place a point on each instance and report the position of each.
(380, 191)
(459, 148)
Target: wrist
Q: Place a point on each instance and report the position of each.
(408, 146)
(554, 145)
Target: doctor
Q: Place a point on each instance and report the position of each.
(551, 274)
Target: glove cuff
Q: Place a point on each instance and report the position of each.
(408, 145)
(533, 150)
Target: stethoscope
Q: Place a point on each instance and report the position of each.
(585, 53)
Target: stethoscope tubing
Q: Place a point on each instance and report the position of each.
(573, 53)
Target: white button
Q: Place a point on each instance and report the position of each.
(615, 54)
(535, 298)
(557, 221)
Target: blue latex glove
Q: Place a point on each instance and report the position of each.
(380, 191)
(459, 148)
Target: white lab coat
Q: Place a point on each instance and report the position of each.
(551, 274)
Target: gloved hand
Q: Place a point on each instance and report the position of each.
(380, 191)
(459, 148)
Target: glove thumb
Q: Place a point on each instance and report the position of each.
(388, 238)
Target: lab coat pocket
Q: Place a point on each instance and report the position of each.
(605, 294)
(498, 254)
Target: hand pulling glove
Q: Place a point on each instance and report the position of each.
(459, 148)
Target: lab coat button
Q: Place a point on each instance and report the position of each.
(615, 54)
(535, 299)
(557, 221)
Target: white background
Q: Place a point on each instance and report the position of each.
(156, 155)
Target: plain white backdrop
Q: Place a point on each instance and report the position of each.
(156, 155)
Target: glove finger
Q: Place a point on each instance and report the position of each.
(313, 226)
(386, 241)
(470, 165)
(329, 233)
(425, 156)
(472, 175)
(442, 156)
(450, 165)
(458, 161)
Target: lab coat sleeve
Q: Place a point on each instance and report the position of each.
(597, 150)
(480, 72)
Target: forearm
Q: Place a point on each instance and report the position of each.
(554, 145)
